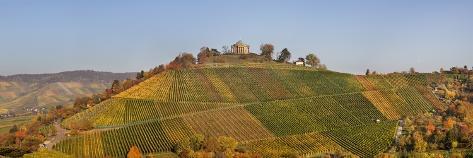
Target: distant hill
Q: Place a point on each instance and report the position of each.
(68, 76)
(24, 93)
(272, 108)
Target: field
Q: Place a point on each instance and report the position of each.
(10, 122)
(270, 108)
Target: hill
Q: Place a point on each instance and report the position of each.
(24, 93)
(272, 108)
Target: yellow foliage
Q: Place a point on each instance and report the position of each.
(449, 94)
(449, 123)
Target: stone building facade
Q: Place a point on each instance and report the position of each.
(240, 48)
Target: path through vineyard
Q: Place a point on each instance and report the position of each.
(60, 135)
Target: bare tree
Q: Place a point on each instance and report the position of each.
(225, 50)
(187, 60)
(267, 51)
(203, 55)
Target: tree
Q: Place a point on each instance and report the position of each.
(32, 142)
(197, 142)
(20, 135)
(367, 72)
(183, 60)
(455, 70)
(226, 143)
(134, 152)
(449, 123)
(116, 87)
(419, 144)
(140, 75)
(13, 129)
(203, 55)
(211, 144)
(187, 60)
(161, 68)
(284, 56)
(267, 51)
(225, 50)
(430, 128)
(312, 60)
(412, 70)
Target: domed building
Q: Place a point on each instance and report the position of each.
(240, 48)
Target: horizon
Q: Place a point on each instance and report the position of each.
(66, 71)
(383, 36)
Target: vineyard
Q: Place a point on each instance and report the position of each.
(240, 85)
(234, 122)
(364, 141)
(121, 111)
(271, 109)
(149, 137)
(304, 144)
(313, 114)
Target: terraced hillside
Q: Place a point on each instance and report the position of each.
(271, 108)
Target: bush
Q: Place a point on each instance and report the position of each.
(13, 152)
(469, 154)
(289, 155)
(227, 143)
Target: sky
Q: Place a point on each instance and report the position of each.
(127, 36)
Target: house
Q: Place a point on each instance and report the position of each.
(300, 62)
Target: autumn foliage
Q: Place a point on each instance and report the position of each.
(134, 152)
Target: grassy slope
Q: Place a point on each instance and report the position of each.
(6, 124)
(18, 96)
(286, 100)
(45, 153)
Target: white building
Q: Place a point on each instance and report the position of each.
(301, 63)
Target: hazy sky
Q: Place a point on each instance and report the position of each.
(122, 36)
